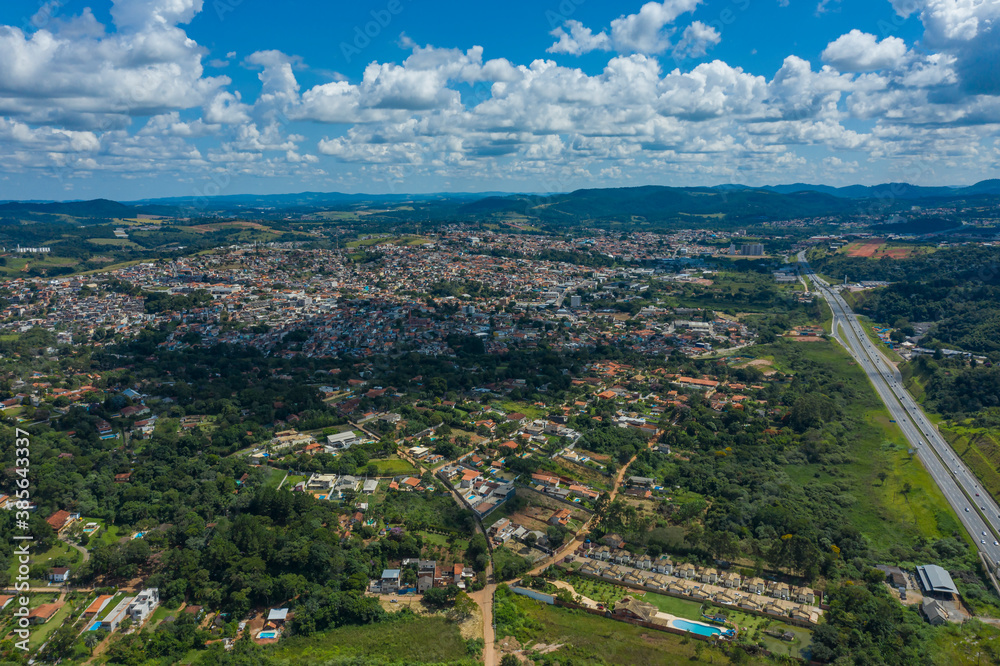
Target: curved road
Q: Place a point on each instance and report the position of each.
(975, 508)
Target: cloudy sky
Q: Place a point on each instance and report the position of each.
(130, 99)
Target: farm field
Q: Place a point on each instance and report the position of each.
(877, 249)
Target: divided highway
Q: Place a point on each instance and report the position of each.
(975, 508)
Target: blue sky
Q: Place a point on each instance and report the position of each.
(141, 98)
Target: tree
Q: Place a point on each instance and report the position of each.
(556, 535)
(464, 607)
(60, 644)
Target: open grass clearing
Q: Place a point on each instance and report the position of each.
(431, 639)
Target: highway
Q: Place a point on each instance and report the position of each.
(973, 505)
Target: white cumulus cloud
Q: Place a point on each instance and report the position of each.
(859, 51)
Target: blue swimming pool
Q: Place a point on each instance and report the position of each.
(267, 634)
(95, 626)
(697, 628)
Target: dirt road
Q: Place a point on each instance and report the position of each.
(578, 541)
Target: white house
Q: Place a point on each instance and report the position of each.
(59, 575)
(144, 604)
(342, 440)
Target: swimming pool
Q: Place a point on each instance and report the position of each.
(95, 626)
(267, 634)
(698, 628)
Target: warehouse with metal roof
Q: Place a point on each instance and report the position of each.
(935, 579)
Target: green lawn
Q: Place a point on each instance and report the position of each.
(405, 640)
(529, 410)
(599, 590)
(107, 535)
(393, 466)
(159, 615)
(292, 480)
(60, 551)
(684, 608)
(434, 539)
(40, 632)
(438, 541)
(111, 605)
(274, 476)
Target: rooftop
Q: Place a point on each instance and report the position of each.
(936, 579)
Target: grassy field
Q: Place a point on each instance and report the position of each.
(589, 639)
(393, 466)
(600, 591)
(274, 477)
(117, 242)
(971, 644)
(41, 632)
(365, 242)
(979, 449)
(60, 551)
(432, 539)
(753, 626)
(160, 614)
(105, 535)
(15, 265)
(529, 410)
(337, 215)
(438, 545)
(685, 608)
(907, 505)
(292, 480)
(405, 640)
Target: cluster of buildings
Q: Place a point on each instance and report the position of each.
(259, 294)
(138, 608)
(613, 563)
(482, 494)
(428, 574)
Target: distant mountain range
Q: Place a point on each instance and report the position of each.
(94, 208)
(736, 204)
(889, 190)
